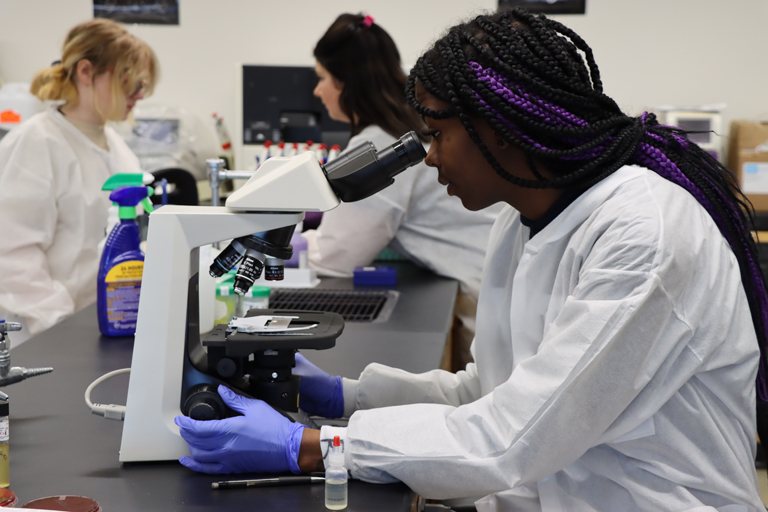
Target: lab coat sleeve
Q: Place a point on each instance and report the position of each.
(383, 386)
(28, 209)
(352, 234)
(616, 336)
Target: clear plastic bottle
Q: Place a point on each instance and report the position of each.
(336, 478)
(333, 153)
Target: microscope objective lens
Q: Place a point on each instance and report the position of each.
(227, 259)
(274, 272)
(248, 272)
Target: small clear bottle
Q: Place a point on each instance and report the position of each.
(336, 478)
(5, 463)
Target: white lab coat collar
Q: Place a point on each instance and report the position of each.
(578, 211)
(61, 120)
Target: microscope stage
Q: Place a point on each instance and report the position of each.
(327, 327)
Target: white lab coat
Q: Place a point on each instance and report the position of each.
(615, 365)
(54, 214)
(414, 216)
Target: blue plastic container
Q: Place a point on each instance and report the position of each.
(374, 276)
(121, 268)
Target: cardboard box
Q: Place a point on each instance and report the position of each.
(748, 159)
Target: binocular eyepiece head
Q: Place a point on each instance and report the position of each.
(355, 175)
(363, 171)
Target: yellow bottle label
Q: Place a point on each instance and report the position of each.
(5, 473)
(123, 286)
(131, 270)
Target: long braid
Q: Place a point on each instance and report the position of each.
(536, 83)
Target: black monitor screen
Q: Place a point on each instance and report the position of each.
(700, 127)
(278, 105)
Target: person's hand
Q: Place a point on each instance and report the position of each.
(262, 440)
(320, 394)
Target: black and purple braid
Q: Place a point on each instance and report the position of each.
(536, 83)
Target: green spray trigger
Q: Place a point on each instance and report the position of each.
(128, 179)
(146, 203)
(127, 198)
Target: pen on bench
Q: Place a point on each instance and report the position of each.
(268, 482)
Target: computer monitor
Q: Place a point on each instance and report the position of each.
(278, 105)
(705, 128)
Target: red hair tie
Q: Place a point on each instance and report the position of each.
(368, 21)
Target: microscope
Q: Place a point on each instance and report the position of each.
(173, 371)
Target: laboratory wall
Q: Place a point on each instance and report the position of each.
(651, 52)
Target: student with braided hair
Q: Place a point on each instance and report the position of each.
(621, 316)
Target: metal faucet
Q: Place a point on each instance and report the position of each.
(217, 173)
(10, 375)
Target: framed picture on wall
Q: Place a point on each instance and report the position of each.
(547, 6)
(154, 12)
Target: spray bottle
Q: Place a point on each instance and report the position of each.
(124, 179)
(336, 478)
(121, 267)
(224, 140)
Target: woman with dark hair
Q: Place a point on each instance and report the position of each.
(621, 319)
(359, 59)
(361, 82)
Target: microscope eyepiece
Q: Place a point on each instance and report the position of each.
(409, 150)
(362, 171)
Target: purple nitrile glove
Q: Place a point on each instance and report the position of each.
(262, 440)
(321, 394)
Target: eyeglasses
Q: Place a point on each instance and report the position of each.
(142, 85)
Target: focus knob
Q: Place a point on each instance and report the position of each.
(204, 403)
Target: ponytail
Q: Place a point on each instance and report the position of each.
(54, 83)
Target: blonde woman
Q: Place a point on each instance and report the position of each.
(52, 168)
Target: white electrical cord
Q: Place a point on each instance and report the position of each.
(109, 411)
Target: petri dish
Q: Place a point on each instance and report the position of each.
(65, 503)
(8, 498)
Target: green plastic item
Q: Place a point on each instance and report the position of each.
(259, 291)
(124, 179)
(227, 279)
(225, 306)
(388, 254)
